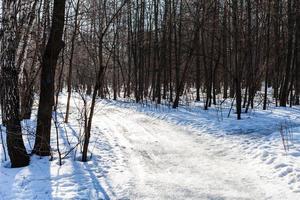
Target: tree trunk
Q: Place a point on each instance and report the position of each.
(268, 57)
(71, 62)
(284, 91)
(46, 102)
(237, 80)
(10, 91)
(297, 51)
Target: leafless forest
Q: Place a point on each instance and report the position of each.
(159, 51)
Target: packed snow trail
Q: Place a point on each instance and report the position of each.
(168, 162)
(137, 156)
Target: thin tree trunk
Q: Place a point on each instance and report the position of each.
(236, 61)
(268, 57)
(284, 91)
(71, 62)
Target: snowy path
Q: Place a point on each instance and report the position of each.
(168, 162)
(161, 156)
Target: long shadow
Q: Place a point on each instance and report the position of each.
(34, 180)
(96, 183)
(81, 176)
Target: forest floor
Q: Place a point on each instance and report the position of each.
(153, 152)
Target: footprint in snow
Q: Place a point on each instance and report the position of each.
(296, 188)
(295, 154)
(281, 165)
(285, 172)
(99, 175)
(264, 154)
(68, 185)
(271, 160)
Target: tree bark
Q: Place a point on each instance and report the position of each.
(46, 102)
(10, 91)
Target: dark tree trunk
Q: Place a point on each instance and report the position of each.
(71, 62)
(268, 57)
(198, 70)
(129, 47)
(225, 54)
(157, 69)
(46, 102)
(284, 91)
(297, 54)
(198, 65)
(237, 78)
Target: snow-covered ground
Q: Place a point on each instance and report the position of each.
(150, 152)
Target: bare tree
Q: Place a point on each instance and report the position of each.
(9, 85)
(46, 102)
